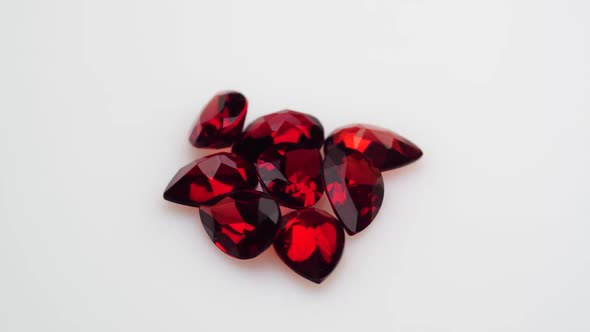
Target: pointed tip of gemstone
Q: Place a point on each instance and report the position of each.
(316, 281)
(410, 151)
(418, 154)
(353, 233)
(386, 149)
(167, 197)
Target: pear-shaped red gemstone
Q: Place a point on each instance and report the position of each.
(286, 126)
(310, 243)
(242, 224)
(292, 176)
(221, 121)
(204, 180)
(384, 148)
(354, 188)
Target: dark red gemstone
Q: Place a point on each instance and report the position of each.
(354, 188)
(204, 180)
(310, 243)
(286, 126)
(386, 149)
(292, 176)
(242, 224)
(221, 121)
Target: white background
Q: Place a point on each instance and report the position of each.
(489, 231)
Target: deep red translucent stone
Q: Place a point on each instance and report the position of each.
(221, 121)
(384, 148)
(242, 224)
(206, 179)
(291, 176)
(286, 126)
(354, 188)
(310, 243)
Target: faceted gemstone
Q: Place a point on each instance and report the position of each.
(310, 243)
(292, 176)
(354, 188)
(204, 180)
(242, 224)
(221, 121)
(286, 126)
(384, 148)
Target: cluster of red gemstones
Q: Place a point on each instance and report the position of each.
(282, 152)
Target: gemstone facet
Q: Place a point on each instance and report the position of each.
(354, 188)
(286, 126)
(221, 121)
(204, 180)
(310, 243)
(384, 148)
(242, 224)
(291, 176)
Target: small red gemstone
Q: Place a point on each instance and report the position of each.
(354, 188)
(310, 243)
(242, 224)
(221, 121)
(292, 176)
(205, 179)
(384, 148)
(286, 126)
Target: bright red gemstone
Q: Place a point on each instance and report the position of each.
(204, 180)
(354, 188)
(221, 121)
(242, 224)
(286, 126)
(292, 176)
(384, 148)
(310, 243)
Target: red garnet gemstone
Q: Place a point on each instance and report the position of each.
(242, 224)
(386, 149)
(310, 243)
(354, 188)
(221, 121)
(286, 126)
(204, 180)
(292, 176)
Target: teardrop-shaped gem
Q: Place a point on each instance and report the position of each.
(286, 126)
(221, 121)
(293, 176)
(384, 148)
(354, 188)
(242, 224)
(204, 180)
(310, 243)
